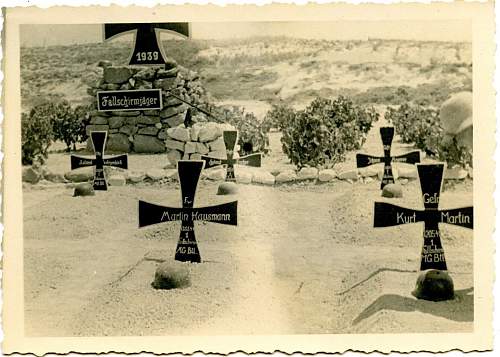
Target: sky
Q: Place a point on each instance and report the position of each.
(46, 35)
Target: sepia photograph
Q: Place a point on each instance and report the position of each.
(249, 178)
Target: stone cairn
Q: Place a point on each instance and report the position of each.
(143, 131)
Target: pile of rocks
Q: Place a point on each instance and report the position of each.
(143, 131)
(200, 139)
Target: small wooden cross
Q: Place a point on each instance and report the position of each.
(230, 142)
(388, 215)
(147, 50)
(187, 248)
(387, 134)
(98, 139)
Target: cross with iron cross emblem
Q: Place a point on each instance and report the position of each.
(431, 178)
(98, 139)
(147, 50)
(387, 134)
(230, 142)
(187, 248)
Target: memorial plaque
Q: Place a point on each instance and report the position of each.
(187, 248)
(147, 50)
(230, 136)
(98, 139)
(431, 178)
(139, 99)
(387, 134)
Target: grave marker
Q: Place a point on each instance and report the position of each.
(387, 134)
(230, 142)
(187, 248)
(98, 139)
(147, 50)
(388, 215)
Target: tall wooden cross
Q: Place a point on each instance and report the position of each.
(147, 50)
(98, 139)
(431, 178)
(187, 248)
(387, 134)
(230, 142)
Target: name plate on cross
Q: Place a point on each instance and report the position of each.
(230, 137)
(387, 135)
(147, 50)
(187, 247)
(98, 139)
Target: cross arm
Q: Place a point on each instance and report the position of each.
(80, 161)
(212, 161)
(408, 158)
(463, 217)
(111, 30)
(363, 160)
(150, 213)
(388, 215)
(253, 160)
(120, 161)
(225, 213)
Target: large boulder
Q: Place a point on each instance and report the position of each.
(209, 132)
(115, 122)
(327, 175)
(455, 111)
(80, 175)
(31, 175)
(118, 143)
(286, 176)
(117, 74)
(179, 133)
(392, 190)
(148, 144)
(349, 175)
(308, 173)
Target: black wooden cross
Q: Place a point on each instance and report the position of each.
(230, 142)
(431, 178)
(387, 134)
(147, 50)
(187, 248)
(98, 142)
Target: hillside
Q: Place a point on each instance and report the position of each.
(270, 69)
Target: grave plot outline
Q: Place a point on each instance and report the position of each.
(98, 139)
(230, 136)
(387, 135)
(146, 39)
(187, 246)
(431, 179)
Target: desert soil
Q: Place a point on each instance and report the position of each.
(304, 258)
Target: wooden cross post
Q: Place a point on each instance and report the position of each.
(387, 134)
(388, 215)
(230, 142)
(98, 139)
(147, 50)
(187, 248)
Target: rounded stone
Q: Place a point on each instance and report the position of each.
(434, 285)
(84, 189)
(227, 188)
(392, 190)
(171, 275)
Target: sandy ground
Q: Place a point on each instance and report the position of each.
(304, 258)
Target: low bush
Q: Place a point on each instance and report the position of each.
(69, 124)
(323, 132)
(36, 134)
(421, 125)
